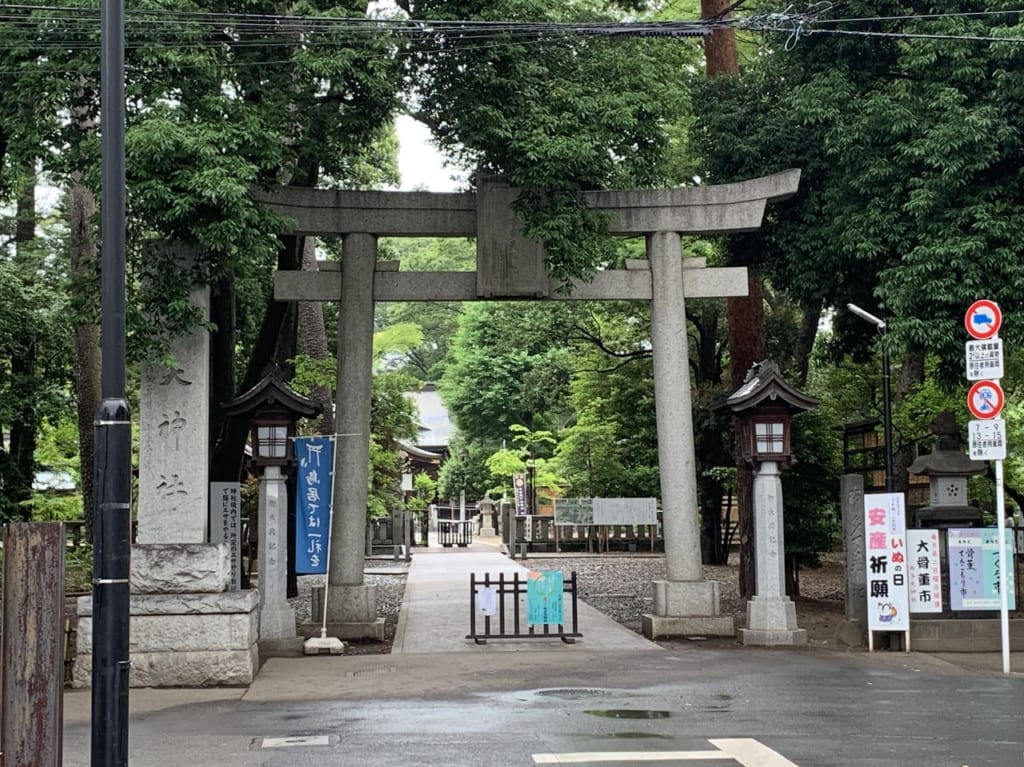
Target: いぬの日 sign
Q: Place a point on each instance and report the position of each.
(983, 319)
(985, 399)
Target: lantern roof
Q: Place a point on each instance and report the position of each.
(947, 458)
(764, 386)
(272, 391)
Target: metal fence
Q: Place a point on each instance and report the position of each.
(509, 621)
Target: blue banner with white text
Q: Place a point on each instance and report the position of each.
(315, 456)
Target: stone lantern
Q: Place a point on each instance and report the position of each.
(274, 408)
(947, 468)
(764, 407)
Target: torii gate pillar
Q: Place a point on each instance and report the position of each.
(511, 267)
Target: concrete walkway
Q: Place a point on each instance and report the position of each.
(436, 607)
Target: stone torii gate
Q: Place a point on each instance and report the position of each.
(511, 266)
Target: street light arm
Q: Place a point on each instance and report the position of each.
(880, 324)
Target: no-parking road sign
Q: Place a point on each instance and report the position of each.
(983, 319)
(985, 399)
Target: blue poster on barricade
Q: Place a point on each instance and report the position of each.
(544, 598)
(315, 456)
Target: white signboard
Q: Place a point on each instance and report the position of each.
(226, 524)
(984, 359)
(925, 571)
(885, 557)
(625, 511)
(987, 439)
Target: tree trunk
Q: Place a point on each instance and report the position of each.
(228, 443)
(746, 348)
(24, 418)
(805, 344)
(313, 342)
(745, 315)
(720, 54)
(81, 209)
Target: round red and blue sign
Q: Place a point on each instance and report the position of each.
(983, 319)
(985, 399)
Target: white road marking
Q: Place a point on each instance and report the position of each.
(745, 751)
(296, 740)
(628, 756)
(751, 753)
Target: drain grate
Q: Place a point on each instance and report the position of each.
(296, 741)
(573, 693)
(373, 671)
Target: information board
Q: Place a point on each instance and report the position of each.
(885, 555)
(925, 571)
(544, 598)
(975, 563)
(226, 524)
(574, 511)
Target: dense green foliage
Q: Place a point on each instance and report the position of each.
(910, 150)
(556, 114)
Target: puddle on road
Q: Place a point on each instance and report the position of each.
(628, 713)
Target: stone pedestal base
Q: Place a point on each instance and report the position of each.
(772, 621)
(277, 621)
(351, 613)
(369, 630)
(852, 633)
(686, 608)
(182, 640)
(351, 604)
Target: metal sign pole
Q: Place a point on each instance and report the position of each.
(1005, 561)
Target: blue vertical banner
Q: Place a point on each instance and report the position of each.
(315, 456)
(544, 598)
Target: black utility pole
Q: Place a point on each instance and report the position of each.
(112, 515)
(886, 393)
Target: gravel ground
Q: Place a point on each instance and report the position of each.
(390, 589)
(618, 586)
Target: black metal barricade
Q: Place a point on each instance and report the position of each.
(510, 615)
(455, 533)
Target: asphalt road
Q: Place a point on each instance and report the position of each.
(693, 704)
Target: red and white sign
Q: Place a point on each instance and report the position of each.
(985, 399)
(885, 560)
(983, 319)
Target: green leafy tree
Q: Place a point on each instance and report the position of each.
(557, 114)
(507, 365)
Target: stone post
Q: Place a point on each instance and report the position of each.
(685, 604)
(277, 617)
(851, 498)
(174, 416)
(771, 615)
(351, 604)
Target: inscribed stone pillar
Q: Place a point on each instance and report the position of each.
(277, 617)
(851, 500)
(771, 615)
(351, 605)
(174, 416)
(685, 604)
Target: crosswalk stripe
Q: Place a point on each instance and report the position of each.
(628, 756)
(747, 752)
(751, 753)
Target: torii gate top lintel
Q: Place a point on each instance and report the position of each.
(510, 265)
